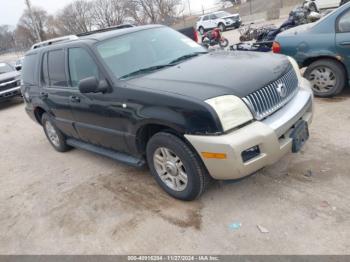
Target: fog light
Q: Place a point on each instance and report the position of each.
(250, 153)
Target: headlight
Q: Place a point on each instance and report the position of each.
(18, 80)
(296, 69)
(231, 110)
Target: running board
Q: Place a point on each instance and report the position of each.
(121, 157)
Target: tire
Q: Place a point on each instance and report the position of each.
(222, 27)
(170, 159)
(53, 134)
(327, 77)
(201, 30)
(223, 43)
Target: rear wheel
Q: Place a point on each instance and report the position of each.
(53, 134)
(176, 168)
(327, 77)
(222, 27)
(223, 42)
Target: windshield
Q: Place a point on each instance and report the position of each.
(222, 14)
(151, 48)
(5, 68)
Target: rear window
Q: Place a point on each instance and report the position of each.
(56, 65)
(29, 69)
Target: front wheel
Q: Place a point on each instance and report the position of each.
(176, 168)
(327, 77)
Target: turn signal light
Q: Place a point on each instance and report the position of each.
(276, 47)
(210, 155)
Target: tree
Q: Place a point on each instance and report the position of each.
(156, 11)
(33, 21)
(106, 13)
(6, 38)
(75, 18)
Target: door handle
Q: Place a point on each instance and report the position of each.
(44, 95)
(74, 99)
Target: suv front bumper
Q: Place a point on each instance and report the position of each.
(271, 136)
(10, 92)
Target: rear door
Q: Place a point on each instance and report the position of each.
(206, 22)
(97, 115)
(343, 36)
(55, 92)
(213, 21)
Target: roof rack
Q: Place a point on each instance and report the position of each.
(111, 28)
(54, 41)
(74, 37)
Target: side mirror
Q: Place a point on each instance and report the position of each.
(92, 85)
(18, 67)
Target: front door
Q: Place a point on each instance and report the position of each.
(97, 115)
(55, 92)
(342, 38)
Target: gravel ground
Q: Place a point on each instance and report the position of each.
(81, 203)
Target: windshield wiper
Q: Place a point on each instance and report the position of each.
(145, 70)
(184, 57)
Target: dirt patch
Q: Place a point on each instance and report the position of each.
(139, 192)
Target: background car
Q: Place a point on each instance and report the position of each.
(10, 82)
(324, 48)
(221, 19)
(326, 4)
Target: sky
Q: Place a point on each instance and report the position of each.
(11, 10)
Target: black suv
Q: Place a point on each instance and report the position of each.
(10, 82)
(150, 95)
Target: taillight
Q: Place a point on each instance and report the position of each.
(195, 35)
(276, 47)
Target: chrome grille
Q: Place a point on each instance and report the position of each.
(272, 97)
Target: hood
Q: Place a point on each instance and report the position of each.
(234, 16)
(8, 76)
(215, 74)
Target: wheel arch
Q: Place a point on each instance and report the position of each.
(307, 62)
(146, 131)
(38, 113)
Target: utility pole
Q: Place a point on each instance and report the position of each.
(189, 7)
(27, 2)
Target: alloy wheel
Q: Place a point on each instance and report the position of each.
(170, 169)
(52, 134)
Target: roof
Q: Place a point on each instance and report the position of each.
(88, 37)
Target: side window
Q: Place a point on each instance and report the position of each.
(213, 17)
(81, 65)
(56, 68)
(206, 18)
(344, 23)
(44, 71)
(28, 71)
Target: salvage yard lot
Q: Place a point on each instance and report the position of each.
(81, 203)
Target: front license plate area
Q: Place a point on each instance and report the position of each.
(299, 135)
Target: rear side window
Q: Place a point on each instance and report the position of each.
(28, 72)
(344, 23)
(56, 68)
